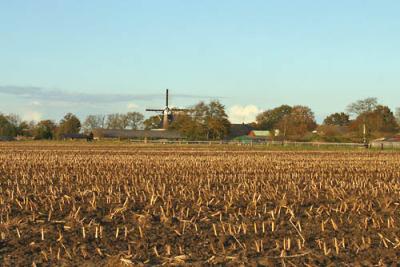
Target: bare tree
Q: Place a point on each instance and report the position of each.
(114, 121)
(134, 120)
(363, 106)
(14, 119)
(94, 121)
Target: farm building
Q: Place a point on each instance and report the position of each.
(386, 142)
(73, 136)
(244, 139)
(136, 134)
(239, 129)
(6, 138)
(261, 134)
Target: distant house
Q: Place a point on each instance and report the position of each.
(23, 138)
(7, 138)
(244, 139)
(136, 134)
(239, 129)
(386, 142)
(261, 134)
(73, 136)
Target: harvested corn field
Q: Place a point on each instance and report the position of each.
(75, 205)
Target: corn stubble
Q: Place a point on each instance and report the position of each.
(128, 206)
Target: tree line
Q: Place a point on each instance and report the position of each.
(209, 121)
(371, 119)
(12, 125)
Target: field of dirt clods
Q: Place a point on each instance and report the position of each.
(145, 206)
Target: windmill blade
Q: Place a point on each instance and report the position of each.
(166, 98)
(181, 109)
(156, 110)
(167, 112)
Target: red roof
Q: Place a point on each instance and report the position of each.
(395, 138)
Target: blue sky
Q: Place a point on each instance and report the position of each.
(92, 57)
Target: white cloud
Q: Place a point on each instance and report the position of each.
(32, 116)
(239, 114)
(60, 96)
(131, 106)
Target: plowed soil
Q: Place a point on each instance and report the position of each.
(88, 205)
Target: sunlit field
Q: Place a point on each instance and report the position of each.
(72, 204)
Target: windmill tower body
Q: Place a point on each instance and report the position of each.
(165, 120)
(167, 112)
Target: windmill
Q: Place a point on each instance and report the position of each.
(167, 112)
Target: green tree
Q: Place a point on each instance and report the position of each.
(26, 128)
(70, 124)
(268, 119)
(299, 122)
(378, 122)
(6, 127)
(398, 115)
(186, 125)
(203, 122)
(217, 122)
(381, 119)
(21, 127)
(153, 122)
(384, 119)
(339, 119)
(44, 129)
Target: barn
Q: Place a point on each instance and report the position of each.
(73, 136)
(386, 142)
(239, 130)
(264, 135)
(136, 134)
(6, 138)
